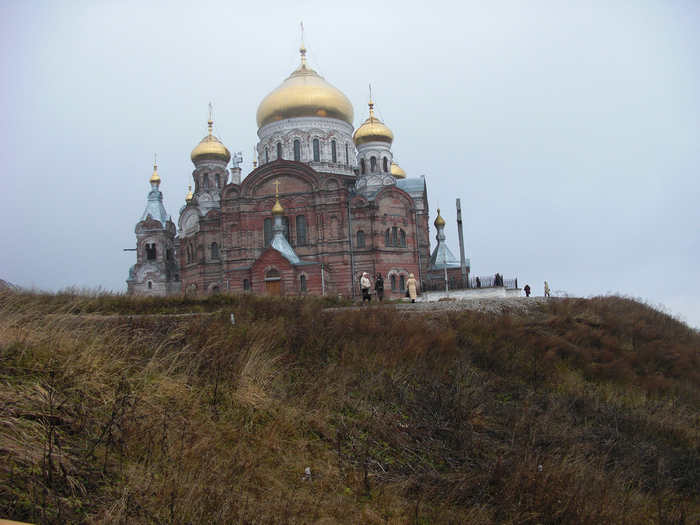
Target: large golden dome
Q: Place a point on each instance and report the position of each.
(305, 93)
(210, 148)
(372, 130)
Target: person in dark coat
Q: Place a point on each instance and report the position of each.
(527, 290)
(379, 286)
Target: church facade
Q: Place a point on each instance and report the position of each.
(321, 206)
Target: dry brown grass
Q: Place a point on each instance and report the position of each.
(583, 412)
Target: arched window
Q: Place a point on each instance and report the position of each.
(279, 150)
(317, 151)
(267, 156)
(218, 181)
(360, 239)
(394, 237)
(334, 153)
(347, 155)
(205, 181)
(302, 283)
(386, 165)
(301, 229)
(297, 150)
(372, 164)
(151, 252)
(362, 166)
(150, 285)
(267, 229)
(402, 283)
(215, 250)
(215, 290)
(402, 238)
(177, 277)
(272, 275)
(393, 283)
(246, 285)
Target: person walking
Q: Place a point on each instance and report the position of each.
(527, 290)
(411, 287)
(546, 289)
(379, 286)
(364, 286)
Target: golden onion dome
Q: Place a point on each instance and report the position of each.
(189, 196)
(210, 148)
(397, 171)
(277, 209)
(439, 221)
(155, 179)
(372, 130)
(305, 93)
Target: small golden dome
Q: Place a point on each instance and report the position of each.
(305, 93)
(439, 221)
(277, 209)
(155, 179)
(210, 148)
(397, 171)
(372, 130)
(189, 196)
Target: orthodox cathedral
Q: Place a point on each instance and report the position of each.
(321, 206)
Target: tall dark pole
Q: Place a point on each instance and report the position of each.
(462, 260)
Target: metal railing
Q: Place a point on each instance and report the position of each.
(435, 285)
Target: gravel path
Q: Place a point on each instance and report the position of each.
(497, 306)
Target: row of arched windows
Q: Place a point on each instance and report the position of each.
(315, 149)
(373, 165)
(392, 237)
(206, 181)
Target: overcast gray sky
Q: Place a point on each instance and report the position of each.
(570, 130)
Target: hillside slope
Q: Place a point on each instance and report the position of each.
(117, 410)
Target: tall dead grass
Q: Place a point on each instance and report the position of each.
(113, 417)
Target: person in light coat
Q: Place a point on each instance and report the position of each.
(364, 286)
(546, 289)
(411, 287)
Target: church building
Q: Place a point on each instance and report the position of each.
(321, 206)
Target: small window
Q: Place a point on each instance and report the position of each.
(360, 239)
(386, 165)
(373, 164)
(317, 151)
(268, 230)
(246, 285)
(205, 181)
(215, 250)
(215, 290)
(402, 238)
(394, 236)
(393, 283)
(301, 229)
(362, 167)
(150, 285)
(334, 153)
(347, 155)
(169, 254)
(302, 283)
(285, 223)
(177, 277)
(402, 283)
(218, 181)
(279, 150)
(272, 275)
(151, 252)
(297, 150)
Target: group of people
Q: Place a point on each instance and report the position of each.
(365, 286)
(546, 290)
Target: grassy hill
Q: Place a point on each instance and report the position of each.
(118, 410)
